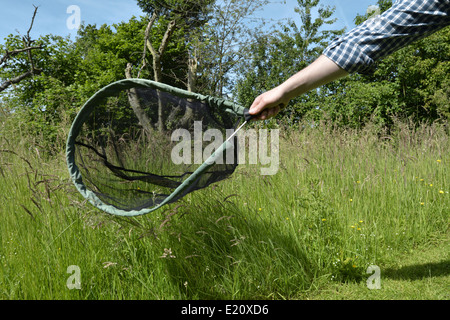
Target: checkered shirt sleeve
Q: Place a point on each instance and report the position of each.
(406, 21)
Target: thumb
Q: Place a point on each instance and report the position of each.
(256, 106)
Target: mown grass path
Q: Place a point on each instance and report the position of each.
(422, 274)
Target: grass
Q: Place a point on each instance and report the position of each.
(342, 200)
(421, 274)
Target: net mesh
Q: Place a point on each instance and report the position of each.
(124, 149)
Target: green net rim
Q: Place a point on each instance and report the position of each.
(110, 90)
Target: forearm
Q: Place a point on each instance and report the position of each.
(320, 72)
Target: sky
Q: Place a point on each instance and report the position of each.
(58, 16)
(52, 16)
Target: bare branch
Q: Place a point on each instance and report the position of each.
(9, 54)
(134, 100)
(148, 44)
(165, 41)
(17, 79)
(28, 48)
(32, 21)
(28, 42)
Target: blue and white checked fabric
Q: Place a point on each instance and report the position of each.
(406, 21)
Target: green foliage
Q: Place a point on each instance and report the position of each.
(381, 6)
(193, 12)
(73, 70)
(354, 103)
(223, 54)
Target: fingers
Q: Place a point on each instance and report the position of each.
(260, 110)
(267, 113)
(257, 106)
(265, 101)
(267, 105)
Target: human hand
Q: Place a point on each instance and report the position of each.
(268, 104)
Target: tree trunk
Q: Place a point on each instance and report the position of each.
(157, 66)
(192, 77)
(133, 99)
(157, 70)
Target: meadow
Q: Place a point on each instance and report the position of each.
(342, 200)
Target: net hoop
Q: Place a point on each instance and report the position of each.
(125, 84)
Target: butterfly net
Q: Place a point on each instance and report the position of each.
(136, 146)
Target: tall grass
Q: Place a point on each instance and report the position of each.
(341, 201)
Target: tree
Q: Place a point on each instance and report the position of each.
(175, 21)
(71, 71)
(226, 43)
(18, 50)
(176, 16)
(36, 101)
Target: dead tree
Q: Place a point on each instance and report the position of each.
(157, 56)
(28, 47)
(134, 100)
